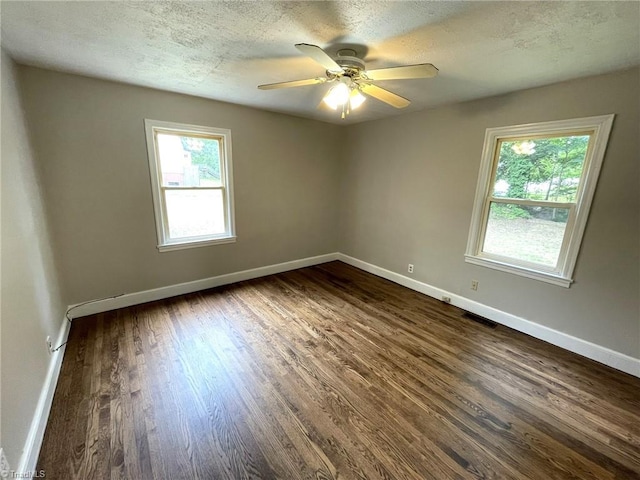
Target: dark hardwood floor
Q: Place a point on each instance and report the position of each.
(330, 372)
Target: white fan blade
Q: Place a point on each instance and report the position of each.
(294, 83)
(422, 70)
(384, 95)
(316, 53)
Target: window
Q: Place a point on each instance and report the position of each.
(534, 191)
(191, 183)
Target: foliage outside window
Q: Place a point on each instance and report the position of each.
(191, 182)
(533, 196)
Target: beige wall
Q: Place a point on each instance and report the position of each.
(409, 187)
(89, 137)
(32, 306)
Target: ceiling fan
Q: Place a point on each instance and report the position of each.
(352, 80)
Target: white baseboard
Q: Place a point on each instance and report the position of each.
(128, 299)
(590, 350)
(29, 459)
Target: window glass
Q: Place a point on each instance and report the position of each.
(189, 161)
(194, 213)
(541, 168)
(530, 234)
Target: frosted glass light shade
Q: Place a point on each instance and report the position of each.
(337, 96)
(356, 98)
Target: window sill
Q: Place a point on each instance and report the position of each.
(168, 247)
(522, 271)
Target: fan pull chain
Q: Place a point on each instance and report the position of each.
(345, 109)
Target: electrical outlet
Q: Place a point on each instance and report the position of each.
(410, 268)
(5, 470)
(49, 344)
(446, 299)
(474, 285)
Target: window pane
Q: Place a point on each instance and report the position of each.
(532, 234)
(189, 161)
(541, 168)
(194, 212)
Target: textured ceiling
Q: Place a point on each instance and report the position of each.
(223, 50)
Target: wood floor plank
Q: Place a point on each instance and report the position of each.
(329, 372)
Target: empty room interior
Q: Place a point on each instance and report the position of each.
(329, 240)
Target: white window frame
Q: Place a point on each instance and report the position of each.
(599, 128)
(165, 242)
